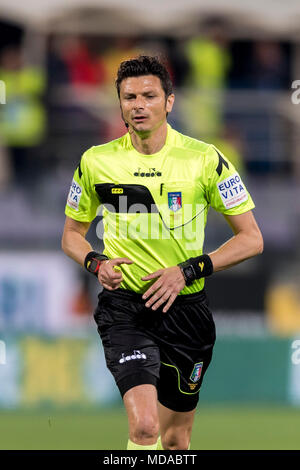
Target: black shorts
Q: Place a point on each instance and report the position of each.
(170, 350)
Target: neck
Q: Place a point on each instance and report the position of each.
(149, 142)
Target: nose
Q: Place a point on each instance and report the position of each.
(139, 103)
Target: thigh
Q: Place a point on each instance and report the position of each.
(131, 355)
(181, 378)
(185, 356)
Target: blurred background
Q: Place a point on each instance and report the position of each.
(235, 68)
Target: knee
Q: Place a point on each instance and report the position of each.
(145, 428)
(176, 439)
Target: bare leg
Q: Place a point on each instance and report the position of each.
(175, 428)
(141, 406)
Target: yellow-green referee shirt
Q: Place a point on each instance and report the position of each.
(155, 206)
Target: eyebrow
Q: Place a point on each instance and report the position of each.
(128, 93)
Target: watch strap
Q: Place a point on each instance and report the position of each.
(92, 261)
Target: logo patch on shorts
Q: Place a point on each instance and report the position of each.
(175, 201)
(232, 191)
(74, 195)
(196, 374)
(136, 355)
(192, 386)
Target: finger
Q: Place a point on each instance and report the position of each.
(109, 272)
(112, 275)
(169, 303)
(111, 286)
(110, 280)
(152, 275)
(156, 296)
(116, 287)
(106, 286)
(118, 261)
(162, 300)
(157, 285)
(116, 281)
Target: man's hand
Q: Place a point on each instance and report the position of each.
(109, 275)
(168, 285)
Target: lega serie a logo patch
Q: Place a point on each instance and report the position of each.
(175, 201)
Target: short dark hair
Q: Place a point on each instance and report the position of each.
(144, 65)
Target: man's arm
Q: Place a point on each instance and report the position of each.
(246, 242)
(73, 241)
(75, 246)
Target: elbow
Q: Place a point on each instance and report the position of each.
(64, 244)
(259, 244)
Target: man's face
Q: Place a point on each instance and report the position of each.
(143, 102)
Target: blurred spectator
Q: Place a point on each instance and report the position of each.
(5, 169)
(82, 303)
(57, 69)
(231, 145)
(121, 49)
(269, 66)
(209, 62)
(157, 47)
(283, 300)
(85, 67)
(208, 57)
(178, 61)
(22, 120)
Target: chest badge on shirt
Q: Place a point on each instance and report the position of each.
(196, 374)
(175, 201)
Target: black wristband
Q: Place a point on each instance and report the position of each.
(91, 262)
(196, 268)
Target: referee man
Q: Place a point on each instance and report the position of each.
(155, 186)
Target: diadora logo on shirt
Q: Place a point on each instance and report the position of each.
(232, 191)
(136, 355)
(151, 172)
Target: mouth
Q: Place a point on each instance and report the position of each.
(139, 118)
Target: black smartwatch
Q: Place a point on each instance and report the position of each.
(196, 268)
(92, 262)
(188, 272)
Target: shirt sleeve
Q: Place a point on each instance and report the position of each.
(83, 202)
(225, 190)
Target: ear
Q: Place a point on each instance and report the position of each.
(170, 102)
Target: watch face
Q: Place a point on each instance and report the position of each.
(93, 266)
(189, 277)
